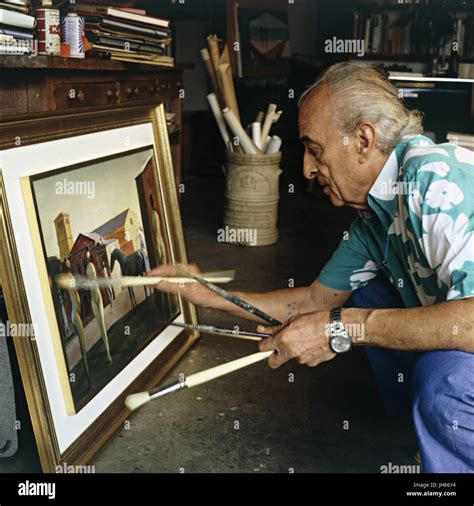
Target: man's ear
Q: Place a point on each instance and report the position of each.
(365, 140)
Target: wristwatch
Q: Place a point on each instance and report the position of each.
(339, 339)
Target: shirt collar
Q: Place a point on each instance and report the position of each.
(387, 180)
(383, 196)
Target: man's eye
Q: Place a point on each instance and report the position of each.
(314, 152)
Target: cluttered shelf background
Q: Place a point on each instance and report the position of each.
(277, 50)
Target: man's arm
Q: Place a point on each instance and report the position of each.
(286, 303)
(281, 304)
(445, 326)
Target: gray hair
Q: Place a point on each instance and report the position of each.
(364, 94)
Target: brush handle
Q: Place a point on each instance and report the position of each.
(221, 370)
(84, 283)
(233, 298)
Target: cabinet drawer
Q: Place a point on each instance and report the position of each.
(131, 91)
(77, 95)
(169, 87)
(13, 97)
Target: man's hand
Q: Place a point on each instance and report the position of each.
(193, 292)
(302, 337)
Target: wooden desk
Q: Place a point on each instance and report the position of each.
(46, 84)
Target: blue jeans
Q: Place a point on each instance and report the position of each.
(437, 385)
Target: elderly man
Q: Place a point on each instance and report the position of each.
(401, 282)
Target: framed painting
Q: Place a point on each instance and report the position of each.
(95, 197)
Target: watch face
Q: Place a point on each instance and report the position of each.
(341, 344)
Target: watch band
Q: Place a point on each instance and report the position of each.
(336, 315)
(339, 339)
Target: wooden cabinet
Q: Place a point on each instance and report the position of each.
(54, 85)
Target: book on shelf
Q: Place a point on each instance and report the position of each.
(133, 37)
(402, 33)
(18, 19)
(14, 46)
(126, 34)
(133, 10)
(377, 33)
(14, 32)
(129, 27)
(132, 56)
(130, 15)
(139, 18)
(23, 8)
(125, 44)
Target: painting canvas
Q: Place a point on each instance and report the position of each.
(104, 219)
(96, 197)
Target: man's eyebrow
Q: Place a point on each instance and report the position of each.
(307, 140)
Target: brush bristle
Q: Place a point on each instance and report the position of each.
(63, 281)
(135, 401)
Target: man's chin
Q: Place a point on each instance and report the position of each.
(335, 200)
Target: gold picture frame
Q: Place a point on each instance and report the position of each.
(89, 432)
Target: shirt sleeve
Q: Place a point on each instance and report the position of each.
(351, 266)
(442, 209)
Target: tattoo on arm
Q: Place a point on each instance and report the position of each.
(292, 309)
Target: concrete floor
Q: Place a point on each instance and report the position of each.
(256, 420)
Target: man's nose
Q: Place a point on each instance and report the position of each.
(310, 170)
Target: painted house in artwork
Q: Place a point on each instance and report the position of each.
(123, 227)
(120, 232)
(101, 251)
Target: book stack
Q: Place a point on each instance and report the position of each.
(415, 32)
(126, 34)
(16, 28)
(369, 28)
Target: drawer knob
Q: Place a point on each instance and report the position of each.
(132, 92)
(76, 96)
(113, 94)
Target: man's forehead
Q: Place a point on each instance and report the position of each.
(310, 127)
(315, 116)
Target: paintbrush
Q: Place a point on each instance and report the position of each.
(68, 281)
(135, 401)
(211, 329)
(231, 298)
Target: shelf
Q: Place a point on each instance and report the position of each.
(85, 64)
(397, 57)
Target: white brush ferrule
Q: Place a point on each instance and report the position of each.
(161, 392)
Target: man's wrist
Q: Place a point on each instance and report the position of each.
(355, 321)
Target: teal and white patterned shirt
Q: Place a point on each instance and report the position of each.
(421, 231)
